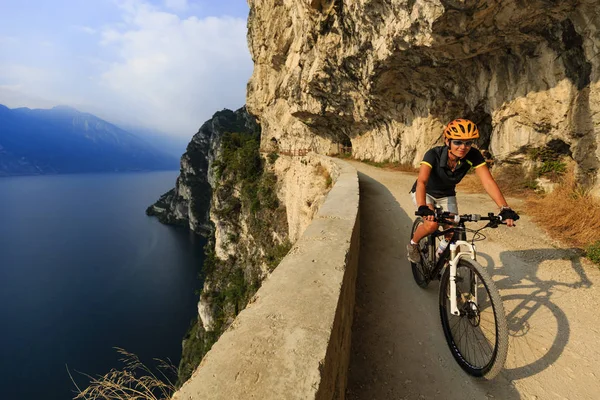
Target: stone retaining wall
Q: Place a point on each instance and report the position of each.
(293, 340)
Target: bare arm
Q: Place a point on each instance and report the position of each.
(422, 179)
(490, 185)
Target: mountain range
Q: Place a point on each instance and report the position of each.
(65, 140)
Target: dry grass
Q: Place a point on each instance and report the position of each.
(392, 165)
(569, 213)
(511, 180)
(135, 381)
(402, 167)
(471, 184)
(321, 170)
(389, 165)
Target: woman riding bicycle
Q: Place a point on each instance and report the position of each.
(442, 168)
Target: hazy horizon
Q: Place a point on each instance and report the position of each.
(165, 66)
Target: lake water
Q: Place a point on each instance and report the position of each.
(82, 270)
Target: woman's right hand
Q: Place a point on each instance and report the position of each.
(426, 212)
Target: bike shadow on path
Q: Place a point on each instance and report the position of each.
(398, 346)
(539, 330)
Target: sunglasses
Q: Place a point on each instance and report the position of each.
(458, 143)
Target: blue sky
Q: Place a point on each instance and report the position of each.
(163, 64)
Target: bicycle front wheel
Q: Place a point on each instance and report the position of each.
(478, 337)
(421, 270)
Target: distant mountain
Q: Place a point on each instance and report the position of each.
(64, 140)
(174, 145)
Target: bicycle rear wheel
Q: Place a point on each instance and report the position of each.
(478, 337)
(421, 271)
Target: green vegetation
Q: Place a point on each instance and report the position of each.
(272, 157)
(245, 194)
(276, 253)
(552, 167)
(239, 157)
(378, 164)
(196, 343)
(201, 191)
(592, 252)
(552, 164)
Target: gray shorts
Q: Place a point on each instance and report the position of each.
(447, 203)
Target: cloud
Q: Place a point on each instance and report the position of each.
(35, 87)
(174, 73)
(144, 65)
(13, 72)
(177, 5)
(85, 29)
(13, 96)
(8, 40)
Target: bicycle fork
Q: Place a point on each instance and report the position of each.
(454, 259)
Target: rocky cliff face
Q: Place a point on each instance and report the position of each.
(224, 193)
(189, 202)
(251, 206)
(385, 76)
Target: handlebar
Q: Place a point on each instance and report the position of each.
(448, 217)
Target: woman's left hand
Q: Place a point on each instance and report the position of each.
(508, 215)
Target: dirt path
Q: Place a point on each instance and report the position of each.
(551, 298)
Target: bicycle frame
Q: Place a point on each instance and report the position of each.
(453, 257)
(460, 278)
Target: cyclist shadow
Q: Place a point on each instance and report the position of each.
(539, 330)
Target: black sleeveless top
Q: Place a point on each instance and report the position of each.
(442, 180)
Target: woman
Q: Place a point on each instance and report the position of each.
(442, 168)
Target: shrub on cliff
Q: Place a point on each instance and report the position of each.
(239, 158)
(245, 196)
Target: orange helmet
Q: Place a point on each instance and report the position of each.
(461, 129)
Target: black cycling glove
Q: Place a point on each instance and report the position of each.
(508, 213)
(424, 211)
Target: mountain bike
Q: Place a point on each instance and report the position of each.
(471, 309)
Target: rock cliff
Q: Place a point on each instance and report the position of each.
(188, 203)
(251, 206)
(384, 76)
